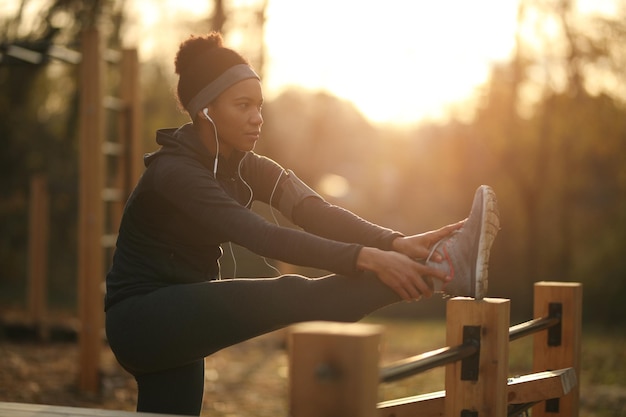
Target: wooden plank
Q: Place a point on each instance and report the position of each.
(548, 355)
(424, 405)
(334, 369)
(524, 389)
(485, 395)
(541, 386)
(41, 410)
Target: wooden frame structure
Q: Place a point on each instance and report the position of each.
(331, 365)
(102, 195)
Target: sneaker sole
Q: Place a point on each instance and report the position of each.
(490, 225)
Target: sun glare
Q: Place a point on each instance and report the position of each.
(397, 61)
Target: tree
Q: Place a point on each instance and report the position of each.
(551, 123)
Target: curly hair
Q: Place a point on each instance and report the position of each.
(200, 60)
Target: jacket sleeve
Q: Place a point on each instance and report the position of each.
(317, 216)
(300, 204)
(218, 215)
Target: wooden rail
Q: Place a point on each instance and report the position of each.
(334, 367)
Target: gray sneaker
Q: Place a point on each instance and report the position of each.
(465, 253)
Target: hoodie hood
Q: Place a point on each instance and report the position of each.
(181, 141)
(185, 142)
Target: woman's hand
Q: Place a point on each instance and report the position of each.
(401, 273)
(419, 246)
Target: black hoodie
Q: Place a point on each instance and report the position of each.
(179, 214)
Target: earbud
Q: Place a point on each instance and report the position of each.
(205, 111)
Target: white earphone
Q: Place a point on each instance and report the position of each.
(205, 111)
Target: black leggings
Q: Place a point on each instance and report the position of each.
(163, 337)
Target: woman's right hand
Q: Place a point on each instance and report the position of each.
(401, 273)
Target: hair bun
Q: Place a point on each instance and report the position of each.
(194, 46)
(199, 61)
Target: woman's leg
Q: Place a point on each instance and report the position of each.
(174, 391)
(178, 325)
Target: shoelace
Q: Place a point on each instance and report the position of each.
(439, 242)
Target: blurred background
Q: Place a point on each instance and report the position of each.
(395, 110)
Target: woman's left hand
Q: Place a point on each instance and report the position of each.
(419, 246)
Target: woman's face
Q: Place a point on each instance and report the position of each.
(237, 116)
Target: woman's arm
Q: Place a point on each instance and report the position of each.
(333, 222)
(284, 191)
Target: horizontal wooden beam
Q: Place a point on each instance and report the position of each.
(541, 386)
(530, 388)
(425, 405)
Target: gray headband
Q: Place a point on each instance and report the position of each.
(209, 93)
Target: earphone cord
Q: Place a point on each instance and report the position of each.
(217, 150)
(230, 244)
(274, 217)
(215, 163)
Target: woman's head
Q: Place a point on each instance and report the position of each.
(221, 93)
(206, 68)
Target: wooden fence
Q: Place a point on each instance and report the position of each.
(334, 367)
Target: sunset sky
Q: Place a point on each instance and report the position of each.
(396, 60)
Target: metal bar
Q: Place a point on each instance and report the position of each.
(111, 194)
(532, 326)
(108, 241)
(439, 357)
(24, 54)
(429, 360)
(64, 54)
(114, 103)
(112, 148)
(112, 56)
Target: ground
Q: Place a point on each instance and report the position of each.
(239, 380)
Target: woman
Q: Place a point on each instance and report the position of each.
(167, 307)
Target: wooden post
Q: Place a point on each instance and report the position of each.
(334, 370)
(130, 94)
(477, 386)
(38, 253)
(90, 256)
(558, 347)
